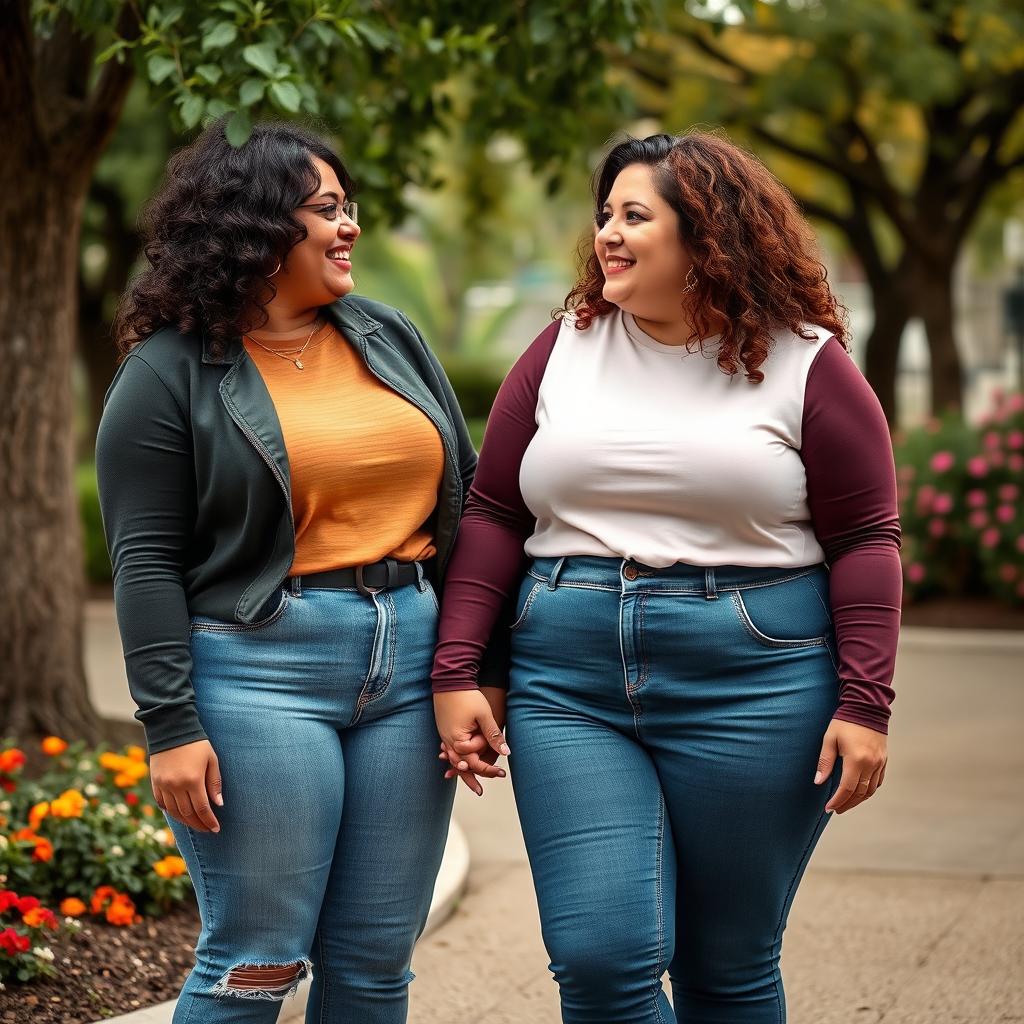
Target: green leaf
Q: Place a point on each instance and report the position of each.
(221, 36)
(217, 108)
(252, 91)
(286, 96)
(192, 110)
(114, 48)
(209, 73)
(323, 33)
(239, 128)
(160, 67)
(261, 56)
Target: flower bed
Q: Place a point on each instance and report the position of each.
(83, 838)
(960, 490)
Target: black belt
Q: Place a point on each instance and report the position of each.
(367, 579)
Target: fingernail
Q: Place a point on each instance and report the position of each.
(219, 800)
(463, 766)
(501, 775)
(505, 750)
(217, 829)
(818, 778)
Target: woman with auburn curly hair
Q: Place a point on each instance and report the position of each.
(703, 640)
(282, 467)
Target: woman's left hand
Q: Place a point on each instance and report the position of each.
(863, 751)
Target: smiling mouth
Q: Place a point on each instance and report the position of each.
(341, 254)
(617, 263)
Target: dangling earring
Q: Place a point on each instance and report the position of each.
(275, 270)
(691, 280)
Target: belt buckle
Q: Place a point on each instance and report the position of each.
(362, 587)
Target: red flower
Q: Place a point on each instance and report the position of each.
(131, 799)
(13, 943)
(8, 899)
(27, 903)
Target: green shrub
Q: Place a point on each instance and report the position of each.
(97, 562)
(959, 491)
(475, 385)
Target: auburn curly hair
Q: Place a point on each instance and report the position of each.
(218, 229)
(754, 255)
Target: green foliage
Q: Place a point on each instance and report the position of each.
(960, 505)
(380, 75)
(88, 828)
(97, 561)
(475, 385)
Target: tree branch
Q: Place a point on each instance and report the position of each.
(18, 112)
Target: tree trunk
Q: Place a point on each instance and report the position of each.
(881, 356)
(54, 129)
(934, 295)
(42, 686)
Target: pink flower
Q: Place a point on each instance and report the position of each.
(978, 519)
(976, 499)
(1005, 513)
(1009, 492)
(1015, 403)
(942, 504)
(1007, 572)
(996, 458)
(906, 473)
(941, 461)
(991, 440)
(977, 465)
(937, 527)
(915, 572)
(990, 538)
(1015, 439)
(1016, 463)
(925, 496)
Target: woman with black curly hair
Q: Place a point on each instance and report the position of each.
(702, 485)
(282, 466)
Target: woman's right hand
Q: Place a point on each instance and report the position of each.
(463, 718)
(186, 781)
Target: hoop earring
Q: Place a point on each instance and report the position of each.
(691, 280)
(275, 270)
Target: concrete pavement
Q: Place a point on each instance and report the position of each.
(912, 911)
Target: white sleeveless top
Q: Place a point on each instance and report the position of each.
(649, 452)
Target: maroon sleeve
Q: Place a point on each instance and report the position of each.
(851, 490)
(487, 561)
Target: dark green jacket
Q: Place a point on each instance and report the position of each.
(195, 492)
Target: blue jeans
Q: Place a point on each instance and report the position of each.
(665, 727)
(335, 813)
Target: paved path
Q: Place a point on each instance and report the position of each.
(912, 911)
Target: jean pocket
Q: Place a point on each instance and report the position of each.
(529, 589)
(203, 624)
(786, 614)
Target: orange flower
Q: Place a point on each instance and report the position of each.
(54, 745)
(39, 917)
(68, 805)
(135, 753)
(43, 850)
(170, 867)
(100, 897)
(111, 760)
(121, 910)
(148, 810)
(36, 815)
(72, 907)
(11, 759)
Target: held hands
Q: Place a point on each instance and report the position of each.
(470, 725)
(863, 752)
(186, 780)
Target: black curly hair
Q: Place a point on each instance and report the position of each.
(219, 226)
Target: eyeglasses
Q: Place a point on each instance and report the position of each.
(330, 211)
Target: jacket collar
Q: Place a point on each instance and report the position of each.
(344, 314)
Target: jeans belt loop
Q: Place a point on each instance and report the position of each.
(296, 586)
(710, 593)
(553, 577)
(421, 583)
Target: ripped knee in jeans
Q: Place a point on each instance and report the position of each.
(263, 981)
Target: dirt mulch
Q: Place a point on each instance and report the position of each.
(106, 971)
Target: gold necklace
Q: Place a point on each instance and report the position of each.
(291, 354)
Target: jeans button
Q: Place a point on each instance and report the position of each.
(631, 572)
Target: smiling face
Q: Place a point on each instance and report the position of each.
(318, 269)
(638, 246)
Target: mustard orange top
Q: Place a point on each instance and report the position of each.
(365, 463)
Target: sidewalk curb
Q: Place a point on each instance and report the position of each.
(996, 641)
(450, 885)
